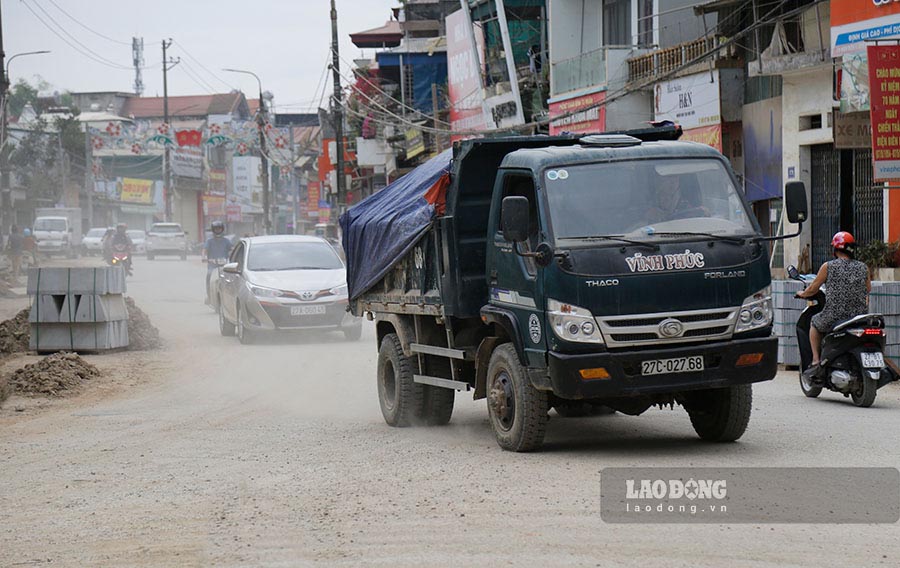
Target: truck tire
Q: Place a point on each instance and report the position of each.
(438, 405)
(721, 415)
(401, 398)
(517, 410)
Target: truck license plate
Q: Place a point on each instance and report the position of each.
(677, 365)
(307, 310)
(872, 360)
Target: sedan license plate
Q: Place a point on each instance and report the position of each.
(677, 365)
(307, 310)
(872, 360)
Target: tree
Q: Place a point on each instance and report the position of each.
(46, 156)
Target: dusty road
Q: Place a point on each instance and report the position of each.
(277, 455)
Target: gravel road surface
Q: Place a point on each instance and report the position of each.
(208, 452)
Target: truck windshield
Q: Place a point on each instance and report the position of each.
(645, 200)
(49, 224)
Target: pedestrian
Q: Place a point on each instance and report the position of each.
(14, 246)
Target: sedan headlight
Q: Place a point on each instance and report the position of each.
(756, 311)
(571, 323)
(339, 290)
(261, 292)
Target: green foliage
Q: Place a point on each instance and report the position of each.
(879, 254)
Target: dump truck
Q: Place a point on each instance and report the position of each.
(619, 271)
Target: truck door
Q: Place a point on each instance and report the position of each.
(514, 280)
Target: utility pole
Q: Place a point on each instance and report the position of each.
(167, 65)
(337, 110)
(89, 175)
(5, 192)
(261, 122)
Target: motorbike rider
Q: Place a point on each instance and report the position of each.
(847, 287)
(217, 247)
(121, 239)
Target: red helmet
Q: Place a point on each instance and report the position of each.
(842, 240)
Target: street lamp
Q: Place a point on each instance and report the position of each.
(261, 122)
(5, 194)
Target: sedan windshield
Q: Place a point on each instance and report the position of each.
(135, 235)
(293, 256)
(96, 233)
(645, 200)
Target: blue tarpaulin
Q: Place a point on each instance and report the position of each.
(381, 229)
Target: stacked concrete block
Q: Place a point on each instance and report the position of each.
(787, 312)
(885, 299)
(77, 309)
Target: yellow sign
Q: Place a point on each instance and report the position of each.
(137, 190)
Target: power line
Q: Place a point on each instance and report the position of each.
(204, 67)
(191, 72)
(83, 50)
(93, 31)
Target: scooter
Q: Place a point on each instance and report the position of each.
(852, 358)
(120, 257)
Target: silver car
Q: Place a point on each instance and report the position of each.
(287, 282)
(166, 238)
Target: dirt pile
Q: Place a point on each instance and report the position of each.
(142, 335)
(15, 333)
(53, 375)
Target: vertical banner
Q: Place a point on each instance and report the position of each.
(463, 81)
(313, 191)
(884, 86)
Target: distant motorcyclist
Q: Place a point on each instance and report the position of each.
(216, 248)
(120, 242)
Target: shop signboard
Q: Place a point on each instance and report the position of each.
(693, 101)
(218, 181)
(137, 190)
(854, 22)
(233, 213)
(884, 72)
(578, 115)
(187, 162)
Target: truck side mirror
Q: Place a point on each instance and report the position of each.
(795, 201)
(514, 218)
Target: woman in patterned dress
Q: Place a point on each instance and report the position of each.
(847, 288)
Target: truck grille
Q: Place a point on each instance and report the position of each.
(647, 329)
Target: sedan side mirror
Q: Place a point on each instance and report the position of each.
(793, 272)
(232, 268)
(795, 201)
(514, 218)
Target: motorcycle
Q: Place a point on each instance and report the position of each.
(852, 357)
(121, 257)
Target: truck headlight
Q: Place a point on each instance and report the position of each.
(261, 292)
(571, 323)
(756, 311)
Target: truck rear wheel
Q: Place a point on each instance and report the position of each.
(438, 405)
(518, 411)
(720, 415)
(401, 398)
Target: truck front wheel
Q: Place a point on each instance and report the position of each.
(720, 415)
(518, 411)
(400, 397)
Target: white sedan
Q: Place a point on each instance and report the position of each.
(92, 242)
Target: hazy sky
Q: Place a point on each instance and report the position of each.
(285, 42)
